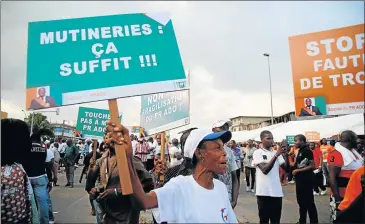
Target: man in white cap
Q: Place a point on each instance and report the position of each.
(230, 177)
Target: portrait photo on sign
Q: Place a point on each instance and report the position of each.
(39, 98)
(313, 106)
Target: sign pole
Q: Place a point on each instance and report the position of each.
(94, 149)
(162, 177)
(120, 151)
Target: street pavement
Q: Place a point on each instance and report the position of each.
(71, 205)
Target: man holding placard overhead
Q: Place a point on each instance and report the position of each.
(118, 208)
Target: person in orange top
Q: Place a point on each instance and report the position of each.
(353, 189)
(291, 158)
(351, 209)
(342, 162)
(326, 149)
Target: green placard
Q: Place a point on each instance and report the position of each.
(91, 121)
(81, 60)
(290, 139)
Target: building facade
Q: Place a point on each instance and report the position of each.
(63, 130)
(247, 123)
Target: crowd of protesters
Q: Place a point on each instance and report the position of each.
(202, 169)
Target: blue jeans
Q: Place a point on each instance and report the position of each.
(41, 196)
(99, 212)
(50, 209)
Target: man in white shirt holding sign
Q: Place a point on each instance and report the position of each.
(269, 192)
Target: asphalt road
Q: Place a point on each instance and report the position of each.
(71, 205)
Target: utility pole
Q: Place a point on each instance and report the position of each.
(272, 114)
(31, 126)
(63, 128)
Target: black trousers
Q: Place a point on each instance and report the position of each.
(318, 182)
(290, 175)
(305, 199)
(250, 172)
(269, 209)
(78, 158)
(238, 172)
(62, 163)
(149, 164)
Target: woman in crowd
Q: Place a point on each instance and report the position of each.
(181, 200)
(342, 162)
(15, 186)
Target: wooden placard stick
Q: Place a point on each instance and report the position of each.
(120, 151)
(162, 177)
(95, 144)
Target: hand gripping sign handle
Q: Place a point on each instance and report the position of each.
(162, 177)
(120, 151)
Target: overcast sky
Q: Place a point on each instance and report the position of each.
(220, 42)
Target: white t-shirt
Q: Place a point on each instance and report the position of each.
(269, 184)
(183, 200)
(49, 156)
(81, 147)
(172, 151)
(55, 152)
(150, 155)
(62, 147)
(158, 150)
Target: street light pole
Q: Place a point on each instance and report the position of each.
(272, 114)
(57, 111)
(25, 114)
(31, 126)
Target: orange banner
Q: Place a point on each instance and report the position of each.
(4, 115)
(328, 71)
(312, 136)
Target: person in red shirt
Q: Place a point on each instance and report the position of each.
(318, 175)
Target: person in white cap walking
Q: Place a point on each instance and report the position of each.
(229, 178)
(197, 198)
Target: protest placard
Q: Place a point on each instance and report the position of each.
(165, 111)
(74, 61)
(91, 122)
(290, 139)
(328, 71)
(312, 136)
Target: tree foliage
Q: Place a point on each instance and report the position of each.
(39, 121)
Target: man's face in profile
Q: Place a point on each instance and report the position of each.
(41, 92)
(308, 102)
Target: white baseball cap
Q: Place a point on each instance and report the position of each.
(220, 123)
(198, 135)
